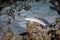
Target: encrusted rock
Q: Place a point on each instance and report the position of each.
(58, 35)
(7, 35)
(26, 37)
(58, 32)
(0, 2)
(33, 27)
(57, 20)
(58, 23)
(37, 32)
(1, 29)
(20, 8)
(17, 37)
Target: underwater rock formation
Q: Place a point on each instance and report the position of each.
(17, 37)
(24, 5)
(35, 31)
(1, 29)
(55, 5)
(55, 30)
(38, 32)
(7, 35)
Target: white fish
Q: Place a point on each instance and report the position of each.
(40, 21)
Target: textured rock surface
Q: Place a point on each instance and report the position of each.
(17, 37)
(35, 31)
(7, 35)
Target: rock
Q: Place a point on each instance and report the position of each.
(10, 2)
(1, 29)
(58, 35)
(26, 7)
(57, 20)
(7, 35)
(20, 8)
(1, 8)
(0, 2)
(33, 27)
(58, 32)
(26, 37)
(37, 32)
(58, 23)
(56, 5)
(0, 37)
(17, 37)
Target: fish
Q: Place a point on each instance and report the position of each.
(40, 21)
